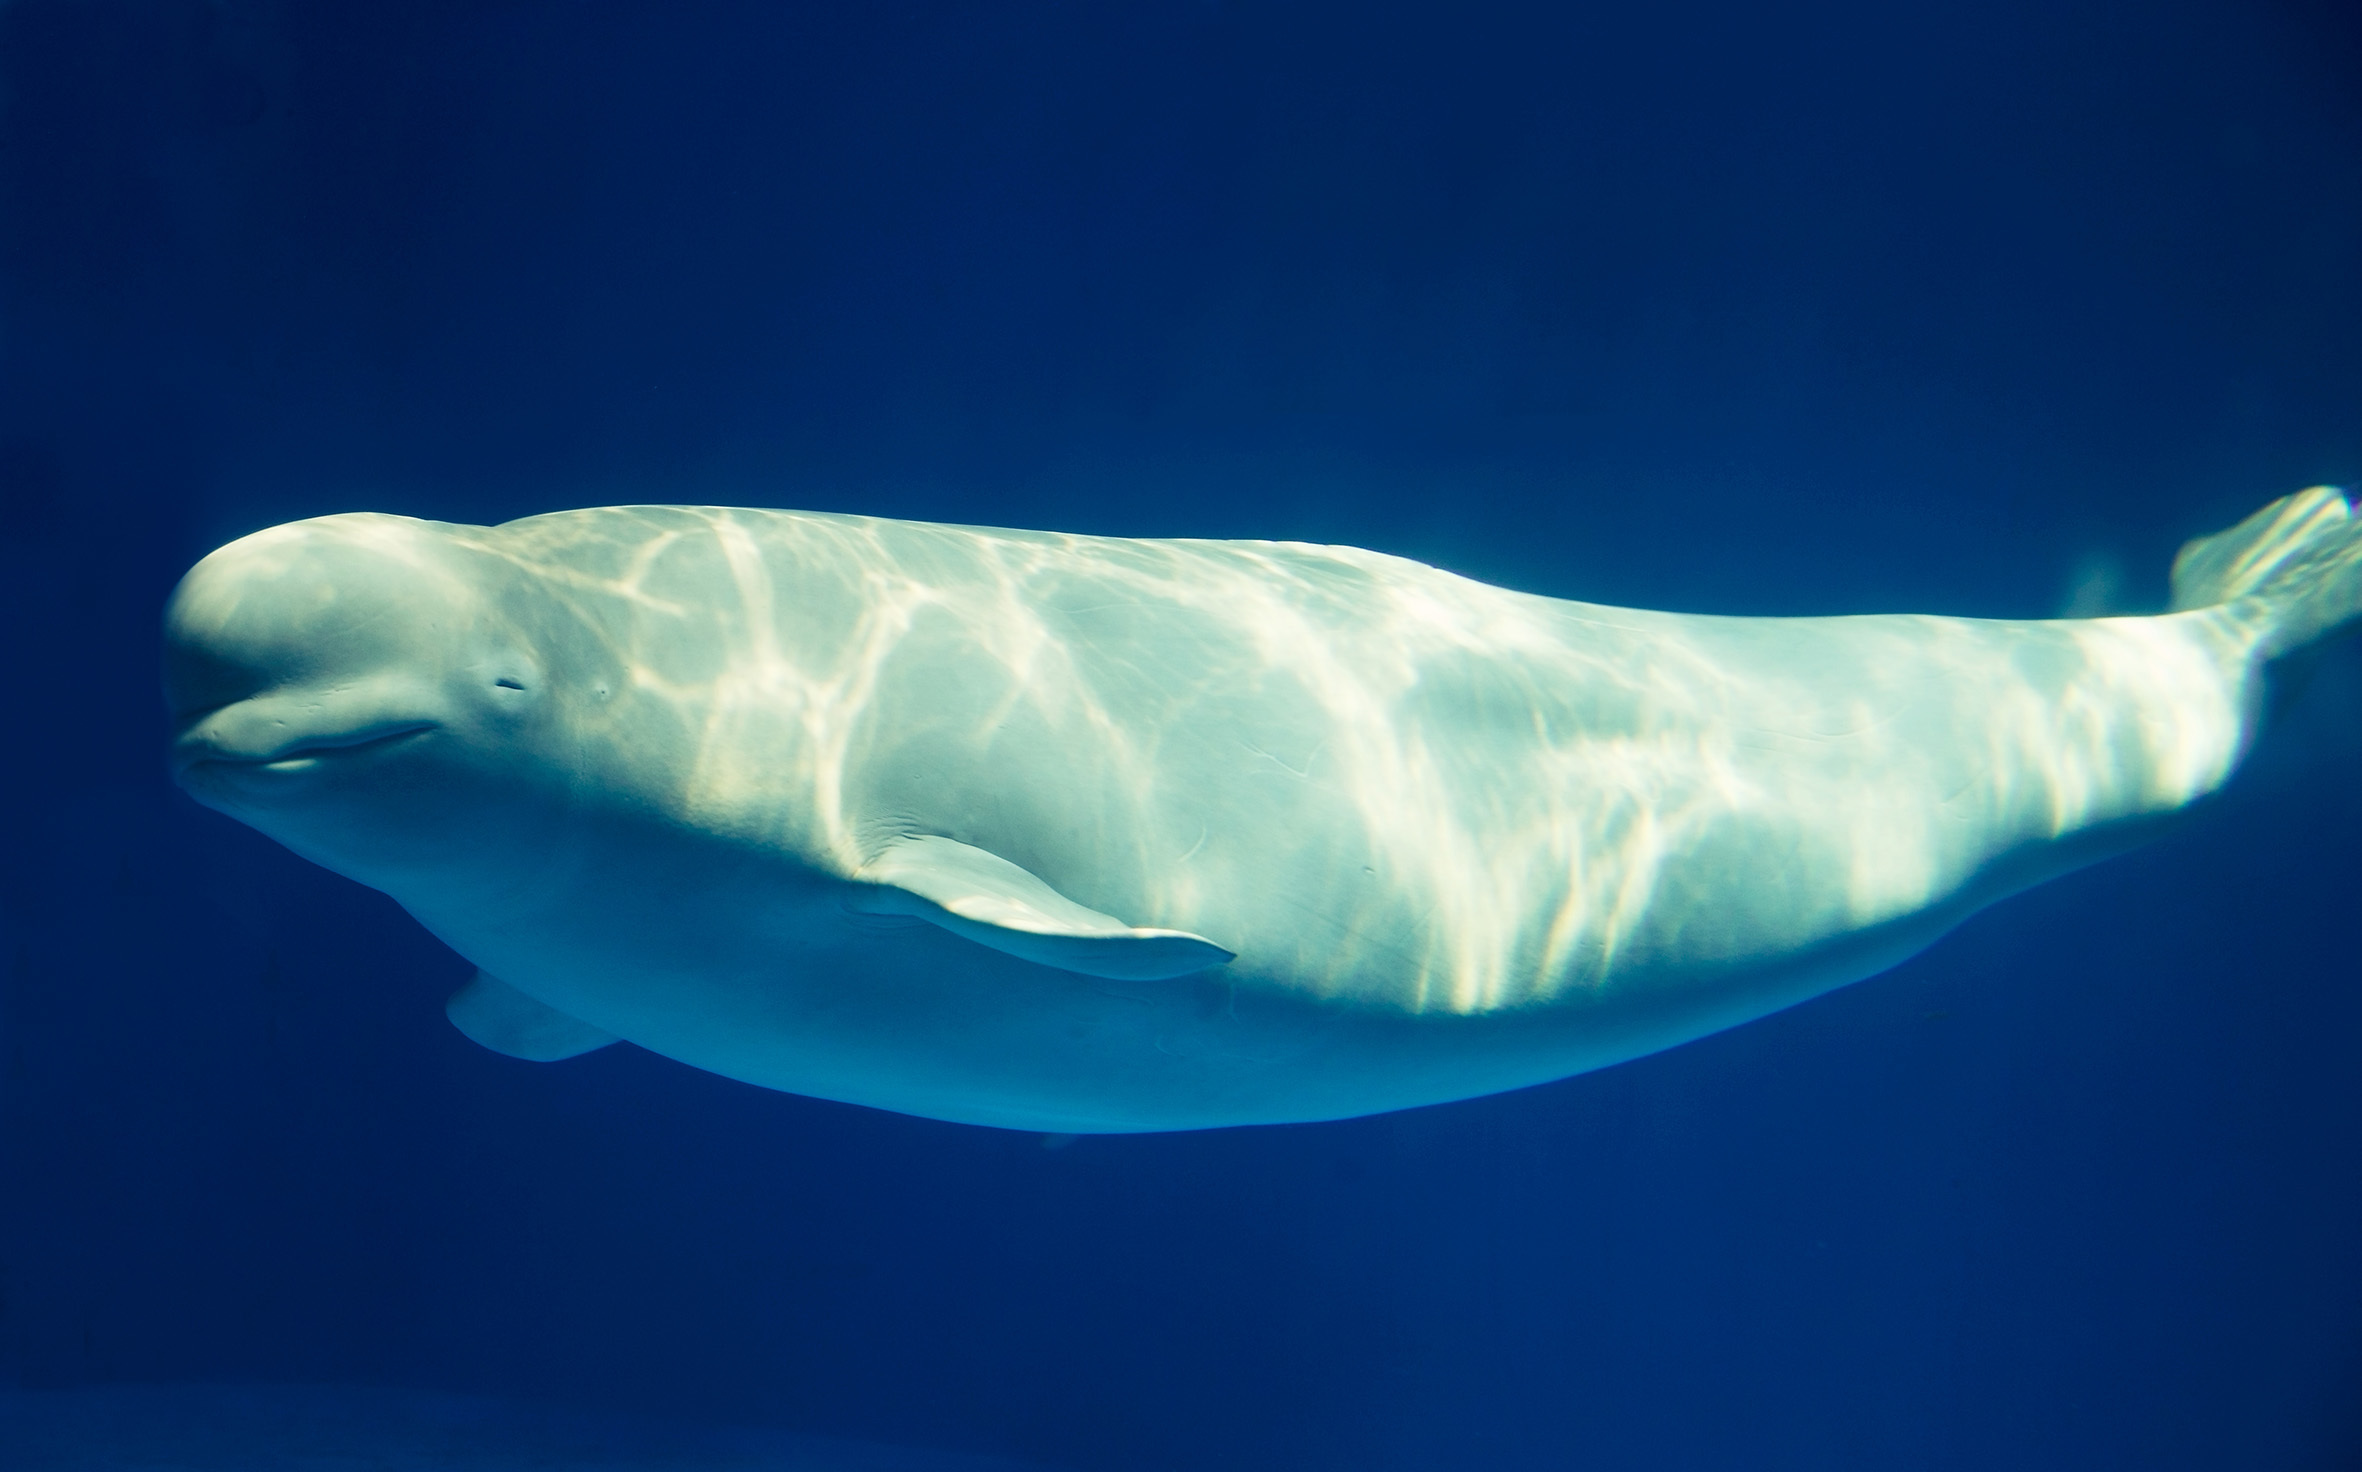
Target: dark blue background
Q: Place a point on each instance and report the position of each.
(1836, 306)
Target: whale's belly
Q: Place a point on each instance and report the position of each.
(800, 995)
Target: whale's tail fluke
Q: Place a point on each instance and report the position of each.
(2294, 568)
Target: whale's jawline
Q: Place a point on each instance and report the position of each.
(309, 753)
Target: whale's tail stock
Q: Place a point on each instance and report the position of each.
(2292, 570)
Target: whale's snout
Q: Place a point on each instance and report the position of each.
(213, 657)
(204, 678)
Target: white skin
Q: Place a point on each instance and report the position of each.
(633, 762)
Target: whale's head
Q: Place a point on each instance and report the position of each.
(358, 687)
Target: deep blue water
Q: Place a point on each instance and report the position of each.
(1839, 306)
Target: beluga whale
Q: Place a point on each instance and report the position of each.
(1086, 834)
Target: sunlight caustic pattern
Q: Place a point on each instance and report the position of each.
(1377, 781)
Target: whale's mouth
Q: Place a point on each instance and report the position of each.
(308, 754)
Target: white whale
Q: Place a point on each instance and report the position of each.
(1080, 834)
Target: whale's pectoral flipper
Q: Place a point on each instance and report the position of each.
(985, 898)
(500, 1017)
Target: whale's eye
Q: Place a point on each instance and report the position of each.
(505, 683)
